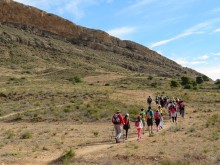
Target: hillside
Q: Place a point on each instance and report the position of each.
(40, 39)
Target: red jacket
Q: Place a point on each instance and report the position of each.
(126, 120)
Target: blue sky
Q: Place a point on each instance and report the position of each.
(187, 31)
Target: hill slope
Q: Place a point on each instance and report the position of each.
(35, 39)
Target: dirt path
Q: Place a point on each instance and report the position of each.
(22, 112)
(103, 146)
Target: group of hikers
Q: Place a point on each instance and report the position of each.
(165, 105)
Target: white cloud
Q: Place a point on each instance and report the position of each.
(122, 31)
(216, 30)
(185, 62)
(204, 57)
(197, 29)
(216, 54)
(163, 42)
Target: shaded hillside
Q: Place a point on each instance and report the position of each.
(29, 36)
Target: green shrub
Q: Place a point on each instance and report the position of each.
(150, 78)
(26, 135)
(10, 134)
(185, 80)
(199, 80)
(205, 78)
(187, 86)
(217, 82)
(174, 83)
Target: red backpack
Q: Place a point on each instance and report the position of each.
(137, 122)
(157, 115)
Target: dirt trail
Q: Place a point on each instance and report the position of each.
(102, 146)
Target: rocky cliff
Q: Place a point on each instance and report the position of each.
(42, 24)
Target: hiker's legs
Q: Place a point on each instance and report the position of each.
(157, 123)
(126, 133)
(139, 133)
(173, 119)
(183, 113)
(117, 132)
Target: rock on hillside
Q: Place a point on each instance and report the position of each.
(46, 25)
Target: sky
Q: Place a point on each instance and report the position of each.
(186, 31)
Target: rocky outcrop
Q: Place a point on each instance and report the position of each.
(46, 25)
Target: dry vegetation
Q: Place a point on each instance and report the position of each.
(57, 96)
(54, 123)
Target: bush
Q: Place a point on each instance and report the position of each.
(187, 86)
(217, 82)
(75, 79)
(205, 78)
(150, 77)
(26, 135)
(185, 80)
(154, 85)
(199, 80)
(174, 83)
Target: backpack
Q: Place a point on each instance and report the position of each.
(149, 114)
(149, 100)
(182, 105)
(173, 110)
(137, 122)
(116, 119)
(157, 115)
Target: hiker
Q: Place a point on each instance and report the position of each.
(149, 100)
(161, 117)
(169, 107)
(149, 119)
(157, 117)
(181, 108)
(142, 113)
(117, 120)
(126, 125)
(173, 113)
(156, 100)
(139, 126)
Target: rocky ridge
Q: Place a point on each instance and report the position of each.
(40, 23)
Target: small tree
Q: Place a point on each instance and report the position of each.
(199, 80)
(174, 83)
(185, 80)
(205, 78)
(217, 81)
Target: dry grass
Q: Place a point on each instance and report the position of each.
(48, 118)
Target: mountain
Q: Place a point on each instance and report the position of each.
(32, 39)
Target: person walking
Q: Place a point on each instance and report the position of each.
(149, 119)
(126, 125)
(142, 113)
(139, 126)
(173, 113)
(117, 120)
(149, 101)
(157, 118)
(161, 117)
(181, 105)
